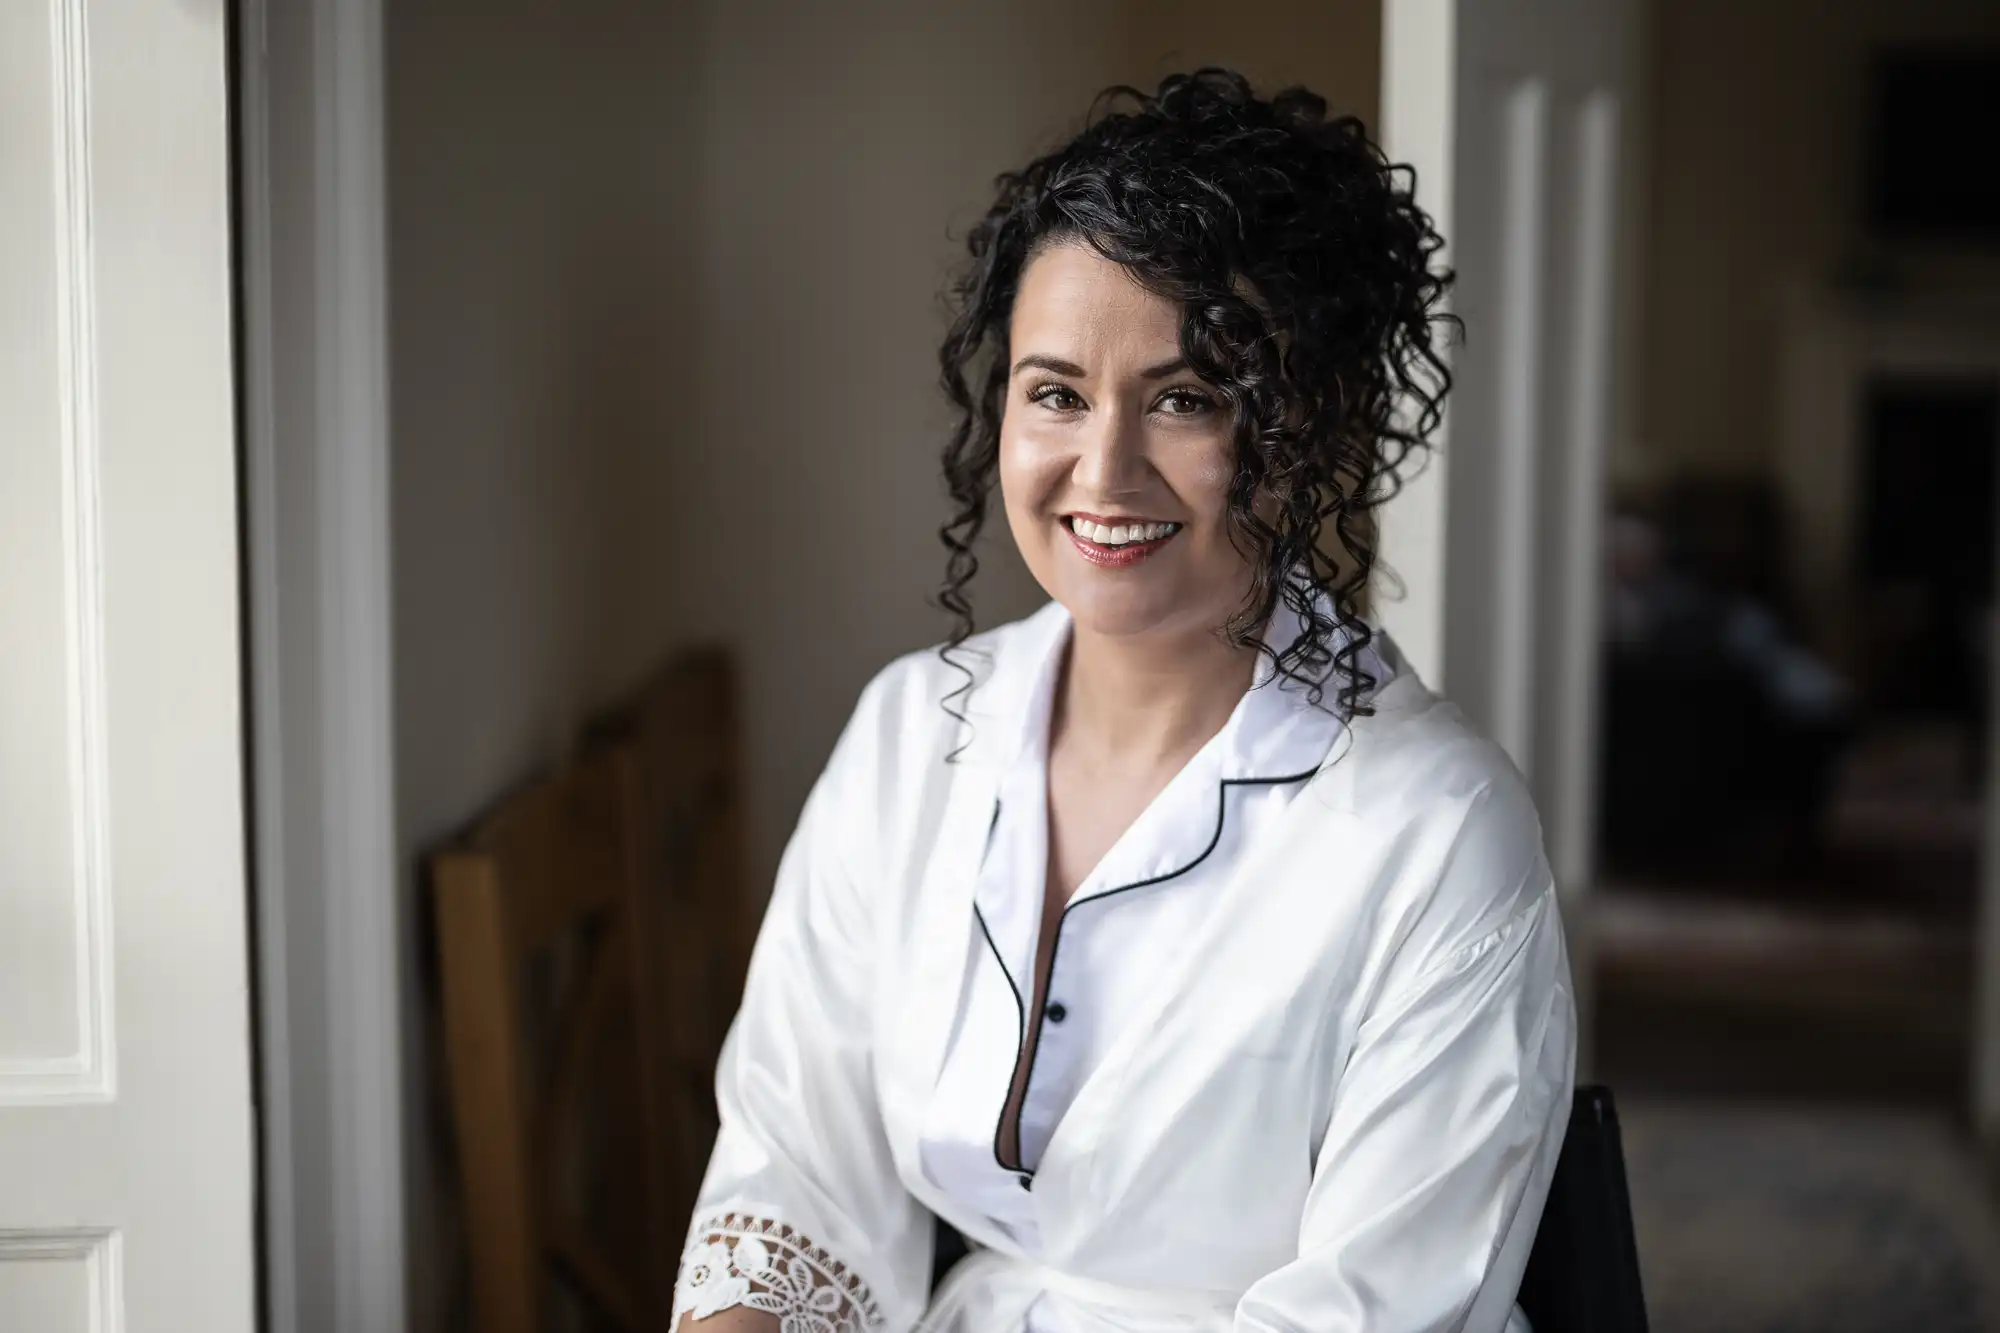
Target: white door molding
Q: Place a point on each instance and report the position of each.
(316, 459)
(1419, 56)
(127, 1128)
(1511, 113)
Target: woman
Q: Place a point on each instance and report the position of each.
(1174, 944)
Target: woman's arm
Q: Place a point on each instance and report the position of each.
(1449, 1112)
(801, 1212)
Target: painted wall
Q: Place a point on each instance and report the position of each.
(1334, 49)
(665, 304)
(542, 244)
(540, 178)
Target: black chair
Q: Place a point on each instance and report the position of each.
(1583, 1274)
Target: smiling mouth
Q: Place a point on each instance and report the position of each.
(1115, 535)
(1117, 545)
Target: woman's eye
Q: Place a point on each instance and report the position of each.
(1056, 397)
(1185, 402)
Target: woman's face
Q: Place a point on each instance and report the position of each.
(1115, 460)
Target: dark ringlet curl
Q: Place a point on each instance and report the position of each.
(1304, 272)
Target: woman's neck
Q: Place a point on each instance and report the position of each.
(1135, 702)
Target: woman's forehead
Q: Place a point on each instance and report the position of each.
(1082, 304)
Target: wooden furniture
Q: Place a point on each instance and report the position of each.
(591, 934)
(683, 729)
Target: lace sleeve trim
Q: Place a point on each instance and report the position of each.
(733, 1259)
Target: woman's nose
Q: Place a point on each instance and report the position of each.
(1112, 453)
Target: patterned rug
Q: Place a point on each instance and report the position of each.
(1807, 1220)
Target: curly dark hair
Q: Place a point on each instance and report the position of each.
(1304, 272)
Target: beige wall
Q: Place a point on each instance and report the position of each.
(1335, 49)
(541, 164)
(539, 178)
(1755, 132)
(665, 303)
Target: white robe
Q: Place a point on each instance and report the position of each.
(1336, 1109)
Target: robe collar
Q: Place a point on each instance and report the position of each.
(1275, 730)
(1275, 735)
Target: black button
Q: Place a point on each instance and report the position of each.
(1056, 1013)
(1027, 1182)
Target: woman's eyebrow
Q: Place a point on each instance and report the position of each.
(1055, 365)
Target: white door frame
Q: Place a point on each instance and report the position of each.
(1498, 549)
(329, 946)
(1419, 48)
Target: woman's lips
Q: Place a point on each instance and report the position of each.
(1116, 557)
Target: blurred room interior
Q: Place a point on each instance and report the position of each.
(1794, 800)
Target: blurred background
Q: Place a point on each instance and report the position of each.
(664, 302)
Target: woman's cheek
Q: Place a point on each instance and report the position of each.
(1206, 488)
(1029, 471)
(1025, 480)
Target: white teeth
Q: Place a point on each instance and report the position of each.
(1123, 534)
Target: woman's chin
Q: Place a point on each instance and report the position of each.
(1119, 606)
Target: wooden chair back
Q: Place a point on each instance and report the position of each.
(684, 728)
(596, 924)
(558, 1078)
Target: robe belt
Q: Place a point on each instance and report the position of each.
(996, 1290)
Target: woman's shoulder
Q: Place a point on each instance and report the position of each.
(1414, 748)
(1453, 816)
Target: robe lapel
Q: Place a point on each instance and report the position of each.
(1065, 1178)
(937, 949)
(1274, 734)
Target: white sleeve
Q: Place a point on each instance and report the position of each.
(801, 1213)
(1448, 1115)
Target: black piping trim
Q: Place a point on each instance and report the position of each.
(1055, 946)
(1021, 1032)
